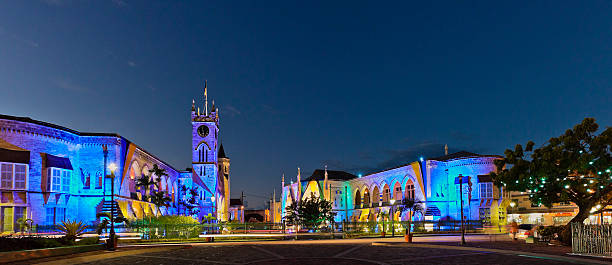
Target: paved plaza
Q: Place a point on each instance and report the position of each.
(351, 251)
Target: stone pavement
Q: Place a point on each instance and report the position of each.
(324, 254)
(346, 251)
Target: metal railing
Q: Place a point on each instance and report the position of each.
(592, 239)
(372, 228)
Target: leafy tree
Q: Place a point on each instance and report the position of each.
(25, 224)
(411, 206)
(574, 167)
(310, 212)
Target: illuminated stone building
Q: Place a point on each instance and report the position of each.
(50, 173)
(431, 181)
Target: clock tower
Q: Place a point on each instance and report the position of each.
(205, 135)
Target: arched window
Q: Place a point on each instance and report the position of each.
(203, 153)
(397, 191)
(357, 199)
(409, 190)
(386, 194)
(366, 198)
(99, 180)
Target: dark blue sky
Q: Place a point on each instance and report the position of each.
(356, 85)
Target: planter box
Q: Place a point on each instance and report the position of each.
(46, 252)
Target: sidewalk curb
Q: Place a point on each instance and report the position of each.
(501, 251)
(109, 255)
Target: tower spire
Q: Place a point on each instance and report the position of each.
(299, 186)
(446, 149)
(192, 104)
(206, 97)
(283, 181)
(325, 183)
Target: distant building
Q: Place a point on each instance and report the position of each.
(51, 173)
(432, 181)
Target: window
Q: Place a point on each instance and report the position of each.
(386, 194)
(99, 180)
(485, 214)
(20, 212)
(13, 176)
(486, 190)
(410, 191)
(50, 216)
(58, 180)
(60, 214)
(6, 174)
(65, 180)
(87, 178)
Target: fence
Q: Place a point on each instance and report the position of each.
(416, 226)
(592, 239)
(186, 231)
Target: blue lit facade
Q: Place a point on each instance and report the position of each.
(429, 180)
(50, 173)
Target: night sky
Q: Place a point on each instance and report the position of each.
(359, 86)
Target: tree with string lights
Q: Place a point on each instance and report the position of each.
(574, 167)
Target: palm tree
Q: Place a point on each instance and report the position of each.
(160, 199)
(145, 182)
(412, 206)
(105, 221)
(159, 172)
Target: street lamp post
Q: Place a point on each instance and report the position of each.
(461, 195)
(111, 236)
(392, 215)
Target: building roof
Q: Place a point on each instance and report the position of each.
(222, 152)
(458, 155)
(51, 125)
(319, 174)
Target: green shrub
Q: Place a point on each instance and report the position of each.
(25, 243)
(166, 220)
(89, 241)
(550, 231)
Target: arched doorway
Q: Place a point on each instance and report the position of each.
(357, 199)
(366, 198)
(375, 197)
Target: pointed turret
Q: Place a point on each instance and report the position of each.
(205, 97)
(222, 152)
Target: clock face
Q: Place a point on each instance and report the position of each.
(203, 131)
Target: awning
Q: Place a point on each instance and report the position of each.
(14, 156)
(485, 203)
(484, 178)
(58, 162)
